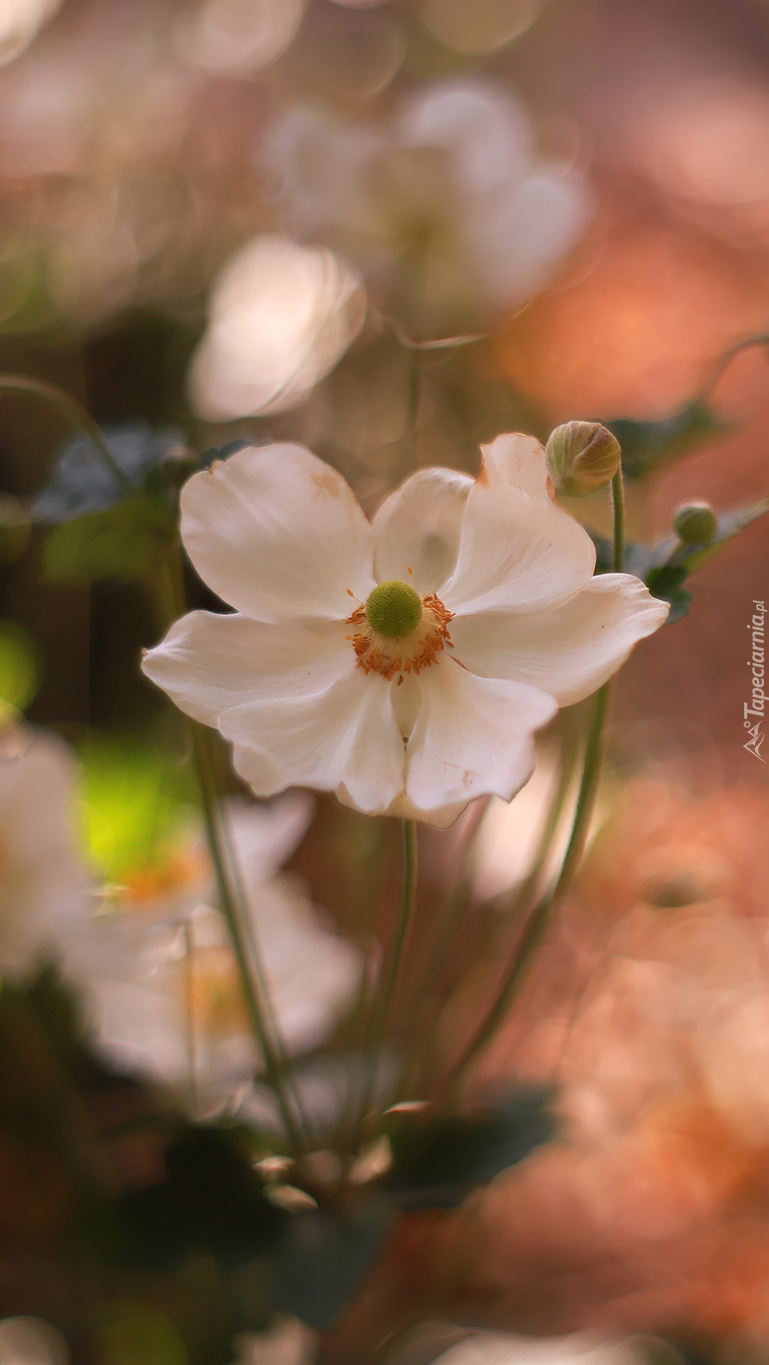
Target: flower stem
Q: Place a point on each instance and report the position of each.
(232, 901)
(73, 412)
(540, 916)
(397, 950)
(249, 965)
(618, 507)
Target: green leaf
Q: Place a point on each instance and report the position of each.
(122, 542)
(212, 1200)
(649, 446)
(437, 1161)
(325, 1256)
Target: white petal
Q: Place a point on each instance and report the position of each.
(518, 550)
(264, 835)
(278, 534)
(569, 651)
(473, 736)
(518, 236)
(344, 737)
(418, 529)
(208, 663)
(44, 886)
(282, 315)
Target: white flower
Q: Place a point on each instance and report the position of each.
(453, 186)
(20, 21)
(238, 35)
(506, 1348)
(404, 664)
(281, 316)
(289, 1342)
(44, 885)
(160, 981)
(31, 1341)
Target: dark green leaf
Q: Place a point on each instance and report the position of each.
(667, 582)
(121, 542)
(325, 1256)
(649, 446)
(81, 481)
(437, 1161)
(212, 1200)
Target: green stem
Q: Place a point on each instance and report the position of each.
(249, 965)
(397, 950)
(724, 361)
(73, 412)
(618, 506)
(540, 916)
(449, 914)
(231, 897)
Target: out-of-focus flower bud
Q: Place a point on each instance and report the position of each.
(582, 457)
(695, 523)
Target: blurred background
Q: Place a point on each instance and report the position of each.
(392, 229)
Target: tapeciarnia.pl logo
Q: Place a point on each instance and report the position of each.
(755, 707)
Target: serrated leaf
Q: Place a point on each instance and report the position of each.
(649, 446)
(82, 483)
(437, 1161)
(325, 1256)
(123, 541)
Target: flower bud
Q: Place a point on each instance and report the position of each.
(582, 458)
(695, 523)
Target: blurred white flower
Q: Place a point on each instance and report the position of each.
(289, 1342)
(452, 194)
(20, 21)
(31, 1341)
(281, 316)
(505, 1348)
(44, 885)
(238, 35)
(474, 616)
(160, 980)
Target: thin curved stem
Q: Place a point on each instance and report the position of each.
(72, 411)
(397, 951)
(539, 918)
(246, 954)
(724, 361)
(231, 897)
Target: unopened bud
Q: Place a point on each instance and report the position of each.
(582, 458)
(695, 523)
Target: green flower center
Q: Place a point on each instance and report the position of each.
(394, 609)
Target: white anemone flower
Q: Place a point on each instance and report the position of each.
(280, 317)
(406, 663)
(452, 192)
(159, 978)
(44, 885)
